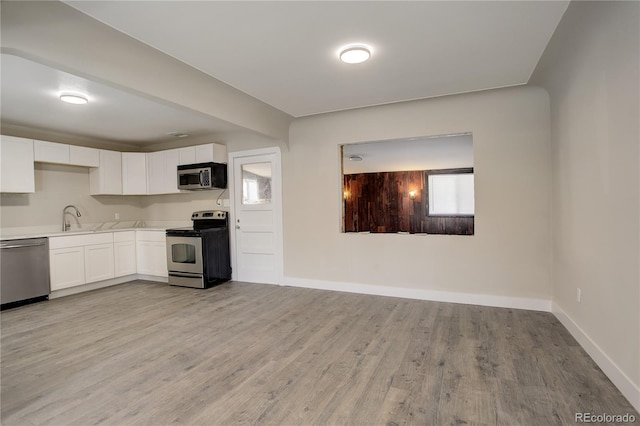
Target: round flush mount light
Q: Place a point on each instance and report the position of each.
(74, 99)
(355, 53)
(355, 158)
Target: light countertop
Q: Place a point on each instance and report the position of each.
(54, 231)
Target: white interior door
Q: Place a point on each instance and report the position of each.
(257, 216)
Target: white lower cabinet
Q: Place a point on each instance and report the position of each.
(80, 259)
(98, 262)
(66, 267)
(124, 252)
(86, 258)
(151, 251)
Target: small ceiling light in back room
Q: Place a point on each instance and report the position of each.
(178, 134)
(355, 53)
(74, 99)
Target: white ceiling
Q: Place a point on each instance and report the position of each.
(285, 54)
(433, 153)
(111, 114)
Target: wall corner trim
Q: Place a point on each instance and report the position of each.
(630, 390)
(420, 294)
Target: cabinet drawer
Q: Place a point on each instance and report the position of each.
(124, 236)
(153, 236)
(80, 240)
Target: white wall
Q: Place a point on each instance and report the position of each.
(178, 207)
(508, 255)
(56, 187)
(591, 70)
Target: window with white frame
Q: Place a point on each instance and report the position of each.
(450, 193)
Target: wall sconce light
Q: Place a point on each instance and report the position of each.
(412, 195)
(345, 194)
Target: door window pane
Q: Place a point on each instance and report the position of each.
(256, 183)
(451, 194)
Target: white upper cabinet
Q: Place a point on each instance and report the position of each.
(134, 173)
(83, 156)
(50, 152)
(203, 154)
(171, 161)
(162, 176)
(110, 173)
(107, 178)
(59, 153)
(155, 172)
(187, 155)
(16, 165)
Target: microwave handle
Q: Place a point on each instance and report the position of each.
(200, 178)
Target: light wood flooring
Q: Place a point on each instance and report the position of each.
(146, 353)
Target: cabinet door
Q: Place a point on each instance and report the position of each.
(134, 173)
(162, 172)
(50, 152)
(220, 153)
(107, 179)
(211, 152)
(67, 267)
(83, 156)
(187, 155)
(98, 262)
(171, 161)
(204, 153)
(160, 256)
(152, 258)
(124, 258)
(155, 172)
(16, 165)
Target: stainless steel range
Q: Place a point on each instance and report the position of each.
(199, 256)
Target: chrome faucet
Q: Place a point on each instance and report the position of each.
(65, 224)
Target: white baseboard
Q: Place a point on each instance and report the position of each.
(630, 390)
(433, 295)
(152, 278)
(106, 283)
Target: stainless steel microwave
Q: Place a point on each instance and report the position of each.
(202, 176)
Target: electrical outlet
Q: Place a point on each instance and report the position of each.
(579, 295)
(117, 215)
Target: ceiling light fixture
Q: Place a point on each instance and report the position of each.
(74, 99)
(178, 134)
(355, 158)
(355, 53)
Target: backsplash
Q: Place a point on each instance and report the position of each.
(60, 185)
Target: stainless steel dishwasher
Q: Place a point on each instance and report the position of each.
(24, 271)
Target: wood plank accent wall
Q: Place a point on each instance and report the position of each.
(380, 203)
